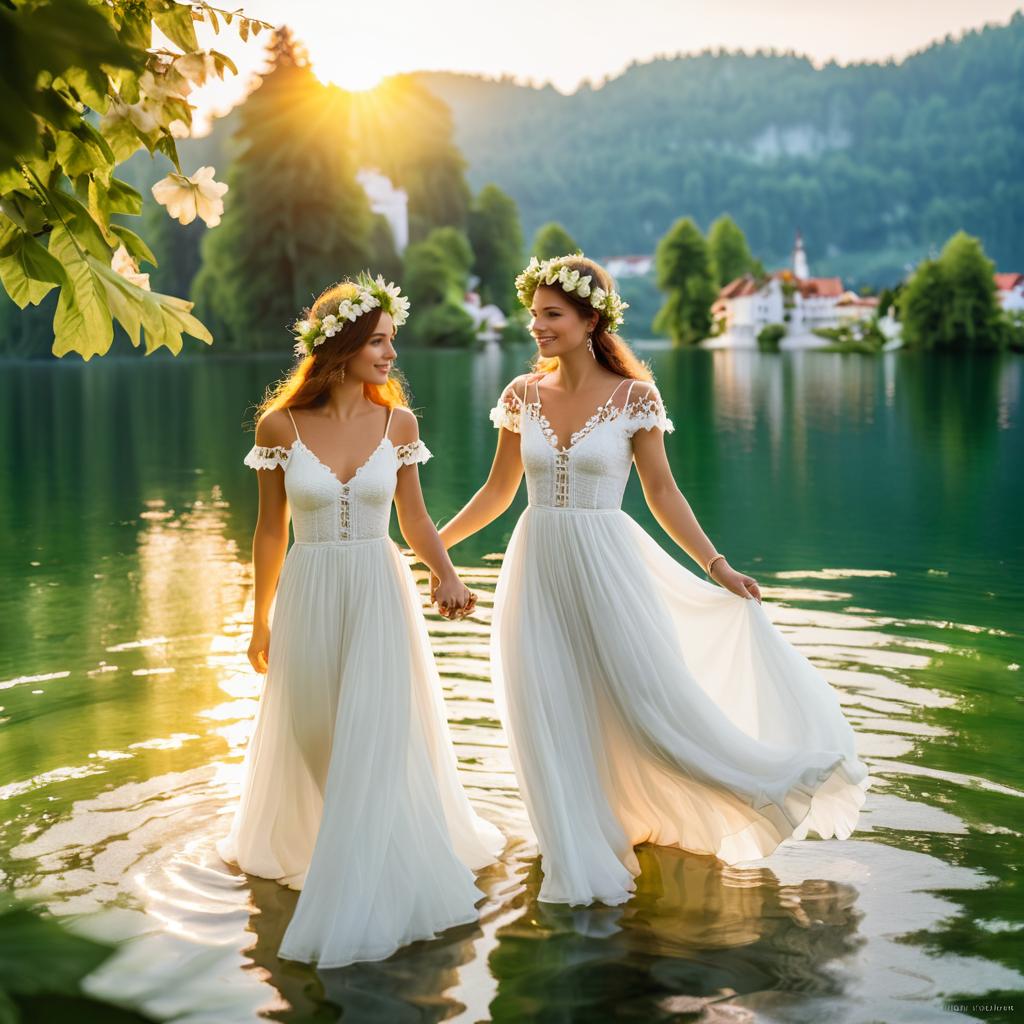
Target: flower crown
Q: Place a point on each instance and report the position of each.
(357, 297)
(556, 271)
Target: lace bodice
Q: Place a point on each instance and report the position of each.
(327, 511)
(591, 471)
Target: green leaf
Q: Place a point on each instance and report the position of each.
(91, 85)
(74, 155)
(176, 23)
(140, 252)
(82, 322)
(80, 222)
(29, 272)
(37, 955)
(214, 23)
(122, 135)
(122, 198)
(136, 28)
(169, 148)
(165, 318)
(124, 305)
(9, 1013)
(87, 132)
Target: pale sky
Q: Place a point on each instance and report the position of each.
(357, 44)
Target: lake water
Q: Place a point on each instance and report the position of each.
(877, 500)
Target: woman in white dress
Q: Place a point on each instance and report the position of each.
(350, 790)
(642, 703)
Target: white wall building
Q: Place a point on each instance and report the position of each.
(790, 297)
(388, 200)
(629, 266)
(1010, 291)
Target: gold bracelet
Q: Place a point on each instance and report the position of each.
(714, 559)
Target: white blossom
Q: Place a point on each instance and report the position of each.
(189, 197)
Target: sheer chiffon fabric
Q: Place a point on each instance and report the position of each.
(350, 788)
(642, 702)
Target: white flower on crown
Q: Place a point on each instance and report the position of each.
(364, 295)
(556, 271)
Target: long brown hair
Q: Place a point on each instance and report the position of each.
(609, 349)
(309, 382)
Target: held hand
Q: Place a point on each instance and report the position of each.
(259, 647)
(736, 582)
(453, 598)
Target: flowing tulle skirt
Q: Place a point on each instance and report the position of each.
(645, 704)
(350, 789)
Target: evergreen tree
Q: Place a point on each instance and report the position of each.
(497, 242)
(435, 276)
(552, 240)
(406, 132)
(729, 252)
(298, 219)
(683, 268)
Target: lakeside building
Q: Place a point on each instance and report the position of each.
(791, 297)
(1010, 291)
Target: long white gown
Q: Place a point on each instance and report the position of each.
(643, 703)
(350, 788)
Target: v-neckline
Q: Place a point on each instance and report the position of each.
(351, 480)
(577, 435)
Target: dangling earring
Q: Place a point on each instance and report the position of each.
(341, 379)
(590, 345)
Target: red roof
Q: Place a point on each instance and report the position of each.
(825, 287)
(745, 285)
(1007, 282)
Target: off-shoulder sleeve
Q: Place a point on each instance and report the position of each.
(267, 458)
(647, 412)
(414, 451)
(508, 412)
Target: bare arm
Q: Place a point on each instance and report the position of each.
(675, 516)
(269, 542)
(506, 473)
(494, 497)
(417, 527)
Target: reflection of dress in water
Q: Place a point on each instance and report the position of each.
(350, 791)
(641, 702)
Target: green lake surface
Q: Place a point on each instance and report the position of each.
(876, 499)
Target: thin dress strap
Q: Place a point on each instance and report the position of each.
(295, 428)
(387, 426)
(629, 391)
(615, 392)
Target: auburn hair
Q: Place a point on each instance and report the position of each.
(609, 349)
(309, 382)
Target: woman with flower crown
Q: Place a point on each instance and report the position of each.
(350, 790)
(642, 703)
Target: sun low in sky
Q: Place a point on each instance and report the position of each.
(356, 45)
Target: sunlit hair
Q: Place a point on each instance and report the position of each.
(309, 383)
(609, 349)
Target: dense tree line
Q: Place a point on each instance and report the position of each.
(876, 164)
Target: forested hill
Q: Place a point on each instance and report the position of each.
(875, 163)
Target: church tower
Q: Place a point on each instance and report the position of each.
(800, 270)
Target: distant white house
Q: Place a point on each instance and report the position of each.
(488, 320)
(1010, 291)
(629, 266)
(790, 297)
(385, 198)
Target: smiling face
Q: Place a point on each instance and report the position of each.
(372, 363)
(557, 325)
